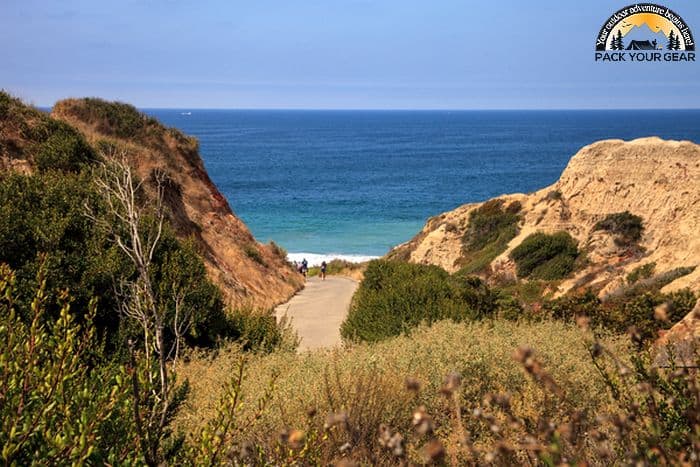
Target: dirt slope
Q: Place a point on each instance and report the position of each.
(655, 179)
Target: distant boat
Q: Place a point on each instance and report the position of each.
(185, 113)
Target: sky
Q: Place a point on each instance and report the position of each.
(332, 54)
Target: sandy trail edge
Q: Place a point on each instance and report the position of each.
(317, 311)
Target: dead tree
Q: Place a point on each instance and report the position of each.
(136, 227)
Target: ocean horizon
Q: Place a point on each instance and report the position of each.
(354, 183)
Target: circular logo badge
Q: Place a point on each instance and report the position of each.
(645, 27)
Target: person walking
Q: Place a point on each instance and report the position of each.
(304, 267)
(323, 270)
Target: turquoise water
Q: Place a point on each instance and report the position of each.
(360, 182)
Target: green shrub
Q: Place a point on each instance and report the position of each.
(526, 292)
(626, 227)
(252, 252)
(554, 195)
(644, 271)
(45, 213)
(509, 308)
(491, 227)
(654, 283)
(572, 306)
(622, 313)
(255, 330)
(111, 118)
(5, 104)
(179, 271)
(278, 251)
(547, 257)
(47, 143)
(335, 266)
(489, 223)
(56, 406)
(396, 297)
(64, 149)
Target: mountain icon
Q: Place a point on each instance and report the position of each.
(643, 33)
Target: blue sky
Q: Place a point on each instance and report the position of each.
(386, 54)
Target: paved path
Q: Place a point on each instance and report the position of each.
(318, 310)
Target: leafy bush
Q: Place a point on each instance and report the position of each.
(111, 118)
(654, 283)
(396, 297)
(572, 307)
(336, 266)
(658, 408)
(252, 252)
(547, 257)
(45, 213)
(640, 312)
(56, 407)
(626, 227)
(510, 308)
(278, 251)
(64, 149)
(5, 104)
(179, 269)
(255, 330)
(491, 227)
(637, 311)
(554, 195)
(489, 223)
(644, 271)
(46, 143)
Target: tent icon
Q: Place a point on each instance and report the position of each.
(642, 45)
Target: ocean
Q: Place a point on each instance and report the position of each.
(353, 184)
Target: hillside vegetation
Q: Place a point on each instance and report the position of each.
(396, 297)
(54, 216)
(248, 273)
(107, 278)
(135, 330)
(624, 203)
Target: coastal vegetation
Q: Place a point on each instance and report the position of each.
(119, 348)
(57, 217)
(491, 226)
(546, 257)
(115, 118)
(645, 271)
(44, 223)
(625, 226)
(395, 297)
(339, 267)
(644, 314)
(48, 144)
(399, 400)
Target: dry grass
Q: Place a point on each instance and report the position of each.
(363, 387)
(339, 267)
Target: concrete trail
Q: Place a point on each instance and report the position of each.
(317, 311)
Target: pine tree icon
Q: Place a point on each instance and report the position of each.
(620, 45)
(616, 42)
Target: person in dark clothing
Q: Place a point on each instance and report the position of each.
(323, 270)
(304, 267)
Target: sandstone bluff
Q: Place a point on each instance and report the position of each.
(654, 179)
